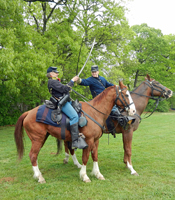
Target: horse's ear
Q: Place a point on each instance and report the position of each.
(122, 85)
(147, 77)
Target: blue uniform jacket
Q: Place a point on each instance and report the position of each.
(96, 84)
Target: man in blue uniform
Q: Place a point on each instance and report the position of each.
(98, 84)
(58, 90)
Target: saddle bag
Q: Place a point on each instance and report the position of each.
(49, 104)
(76, 105)
(82, 121)
(64, 100)
(56, 115)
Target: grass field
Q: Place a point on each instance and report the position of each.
(153, 157)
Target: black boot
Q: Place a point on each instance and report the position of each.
(122, 120)
(77, 141)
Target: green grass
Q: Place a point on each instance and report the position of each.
(153, 157)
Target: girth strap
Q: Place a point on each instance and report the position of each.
(93, 120)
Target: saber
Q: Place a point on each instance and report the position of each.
(87, 58)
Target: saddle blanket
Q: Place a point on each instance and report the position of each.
(44, 116)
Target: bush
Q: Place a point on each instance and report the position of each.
(163, 106)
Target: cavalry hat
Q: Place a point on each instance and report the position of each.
(52, 69)
(94, 68)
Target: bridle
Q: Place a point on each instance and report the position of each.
(154, 85)
(125, 104)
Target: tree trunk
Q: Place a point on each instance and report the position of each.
(136, 78)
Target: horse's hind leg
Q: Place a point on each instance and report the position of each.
(74, 158)
(36, 146)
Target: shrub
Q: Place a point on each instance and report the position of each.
(163, 106)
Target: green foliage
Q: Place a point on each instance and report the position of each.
(172, 102)
(163, 106)
(36, 35)
(149, 53)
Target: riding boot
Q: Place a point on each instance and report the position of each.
(77, 141)
(122, 120)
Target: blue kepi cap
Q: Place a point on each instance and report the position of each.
(52, 69)
(94, 68)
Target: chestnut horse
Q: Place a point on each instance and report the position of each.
(141, 95)
(99, 109)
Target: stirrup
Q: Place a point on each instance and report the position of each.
(131, 120)
(82, 143)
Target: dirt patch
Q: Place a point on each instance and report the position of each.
(53, 153)
(7, 179)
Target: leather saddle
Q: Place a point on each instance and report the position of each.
(56, 114)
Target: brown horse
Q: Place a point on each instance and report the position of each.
(99, 109)
(141, 95)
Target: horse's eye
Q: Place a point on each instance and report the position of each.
(126, 95)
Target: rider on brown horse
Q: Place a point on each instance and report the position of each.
(98, 84)
(61, 92)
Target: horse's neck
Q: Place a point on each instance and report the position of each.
(141, 101)
(104, 103)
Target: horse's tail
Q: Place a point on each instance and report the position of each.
(59, 146)
(19, 134)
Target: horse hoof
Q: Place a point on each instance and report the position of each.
(101, 178)
(65, 161)
(42, 181)
(87, 181)
(135, 174)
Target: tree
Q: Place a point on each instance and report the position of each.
(148, 54)
(38, 34)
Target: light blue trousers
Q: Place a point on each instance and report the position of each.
(70, 112)
(114, 109)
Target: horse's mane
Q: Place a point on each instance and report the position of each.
(136, 87)
(98, 98)
(150, 79)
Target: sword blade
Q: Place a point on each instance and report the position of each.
(87, 58)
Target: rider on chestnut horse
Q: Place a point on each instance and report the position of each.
(59, 93)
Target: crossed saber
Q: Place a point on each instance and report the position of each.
(87, 57)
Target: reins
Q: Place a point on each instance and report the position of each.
(117, 98)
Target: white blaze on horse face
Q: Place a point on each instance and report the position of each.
(132, 108)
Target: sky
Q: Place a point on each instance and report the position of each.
(159, 14)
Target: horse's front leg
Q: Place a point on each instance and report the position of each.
(127, 143)
(94, 154)
(72, 152)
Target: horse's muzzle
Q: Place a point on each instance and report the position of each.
(131, 111)
(168, 94)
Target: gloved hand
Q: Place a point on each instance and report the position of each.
(75, 78)
(78, 81)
